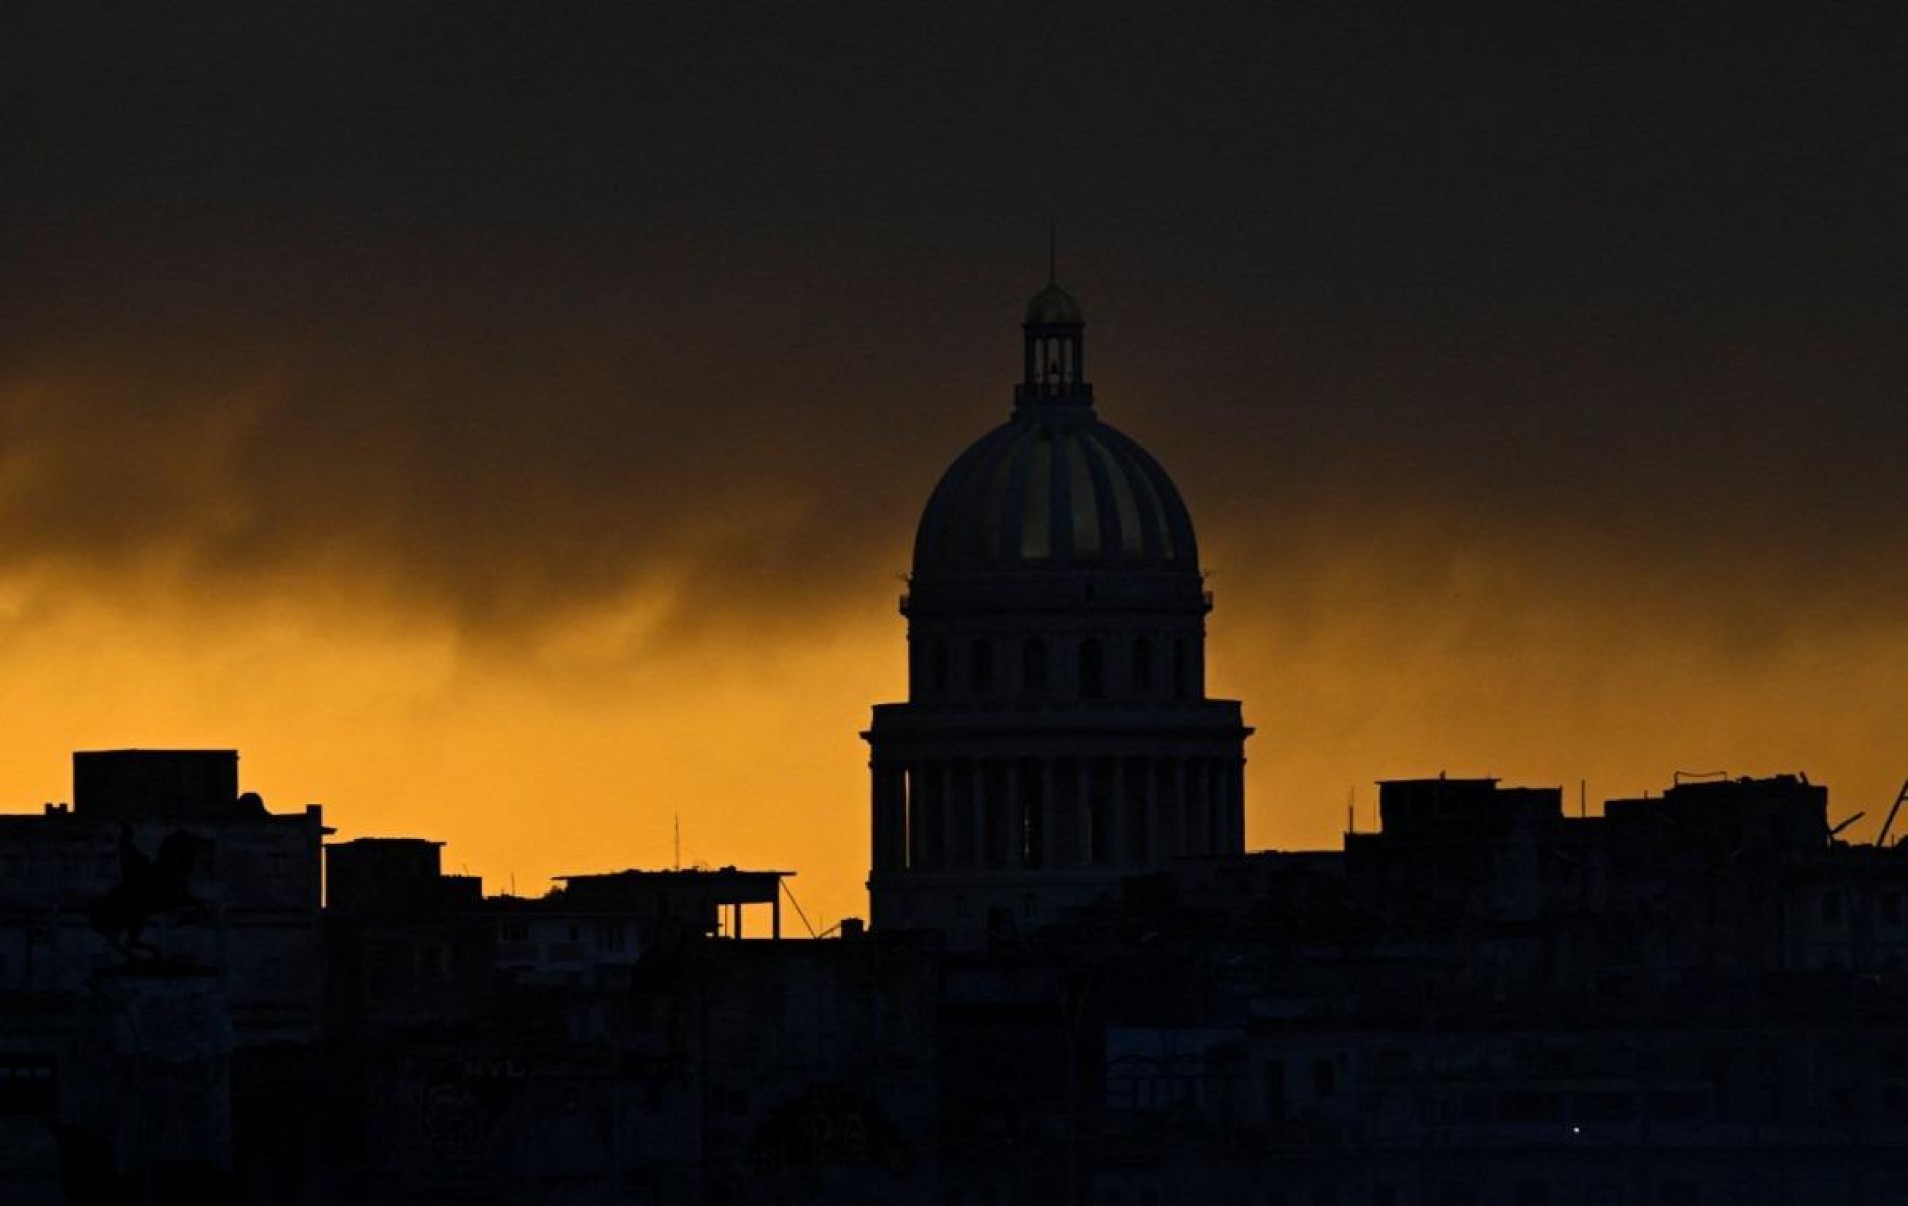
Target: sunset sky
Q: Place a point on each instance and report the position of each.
(506, 423)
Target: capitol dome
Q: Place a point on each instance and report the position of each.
(1056, 738)
(1053, 487)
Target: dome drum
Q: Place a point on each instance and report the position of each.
(1108, 667)
(1206, 726)
(1062, 595)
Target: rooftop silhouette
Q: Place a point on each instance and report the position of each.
(1076, 984)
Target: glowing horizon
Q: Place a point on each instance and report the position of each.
(540, 757)
(511, 437)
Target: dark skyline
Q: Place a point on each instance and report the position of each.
(1535, 386)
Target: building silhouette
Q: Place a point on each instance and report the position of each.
(1078, 987)
(1057, 734)
(160, 969)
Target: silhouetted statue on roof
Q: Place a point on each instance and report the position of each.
(147, 887)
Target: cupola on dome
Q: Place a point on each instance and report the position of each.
(1054, 487)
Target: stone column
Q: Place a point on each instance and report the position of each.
(1238, 771)
(1182, 807)
(1010, 815)
(1082, 810)
(949, 817)
(915, 826)
(1053, 852)
(1198, 807)
(979, 772)
(1156, 839)
(1215, 808)
(878, 820)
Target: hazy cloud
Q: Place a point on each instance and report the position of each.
(507, 313)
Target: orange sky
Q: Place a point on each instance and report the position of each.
(571, 748)
(506, 424)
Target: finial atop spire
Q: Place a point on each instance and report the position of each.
(1053, 252)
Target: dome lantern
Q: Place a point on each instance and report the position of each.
(1055, 356)
(1055, 342)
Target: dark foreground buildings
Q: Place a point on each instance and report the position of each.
(1079, 988)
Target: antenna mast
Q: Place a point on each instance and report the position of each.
(1881, 839)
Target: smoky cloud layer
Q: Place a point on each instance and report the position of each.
(506, 312)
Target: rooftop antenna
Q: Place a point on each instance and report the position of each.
(1845, 824)
(790, 893)
(678, 841)
(1881, 839)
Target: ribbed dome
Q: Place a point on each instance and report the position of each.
(1054, 487)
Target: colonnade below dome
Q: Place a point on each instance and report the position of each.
(1124, 813)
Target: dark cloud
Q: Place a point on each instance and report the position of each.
(500, 310)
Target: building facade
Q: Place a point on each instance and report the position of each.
(160, 954)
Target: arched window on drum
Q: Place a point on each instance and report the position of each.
(1092, 669)
(1141, 672)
